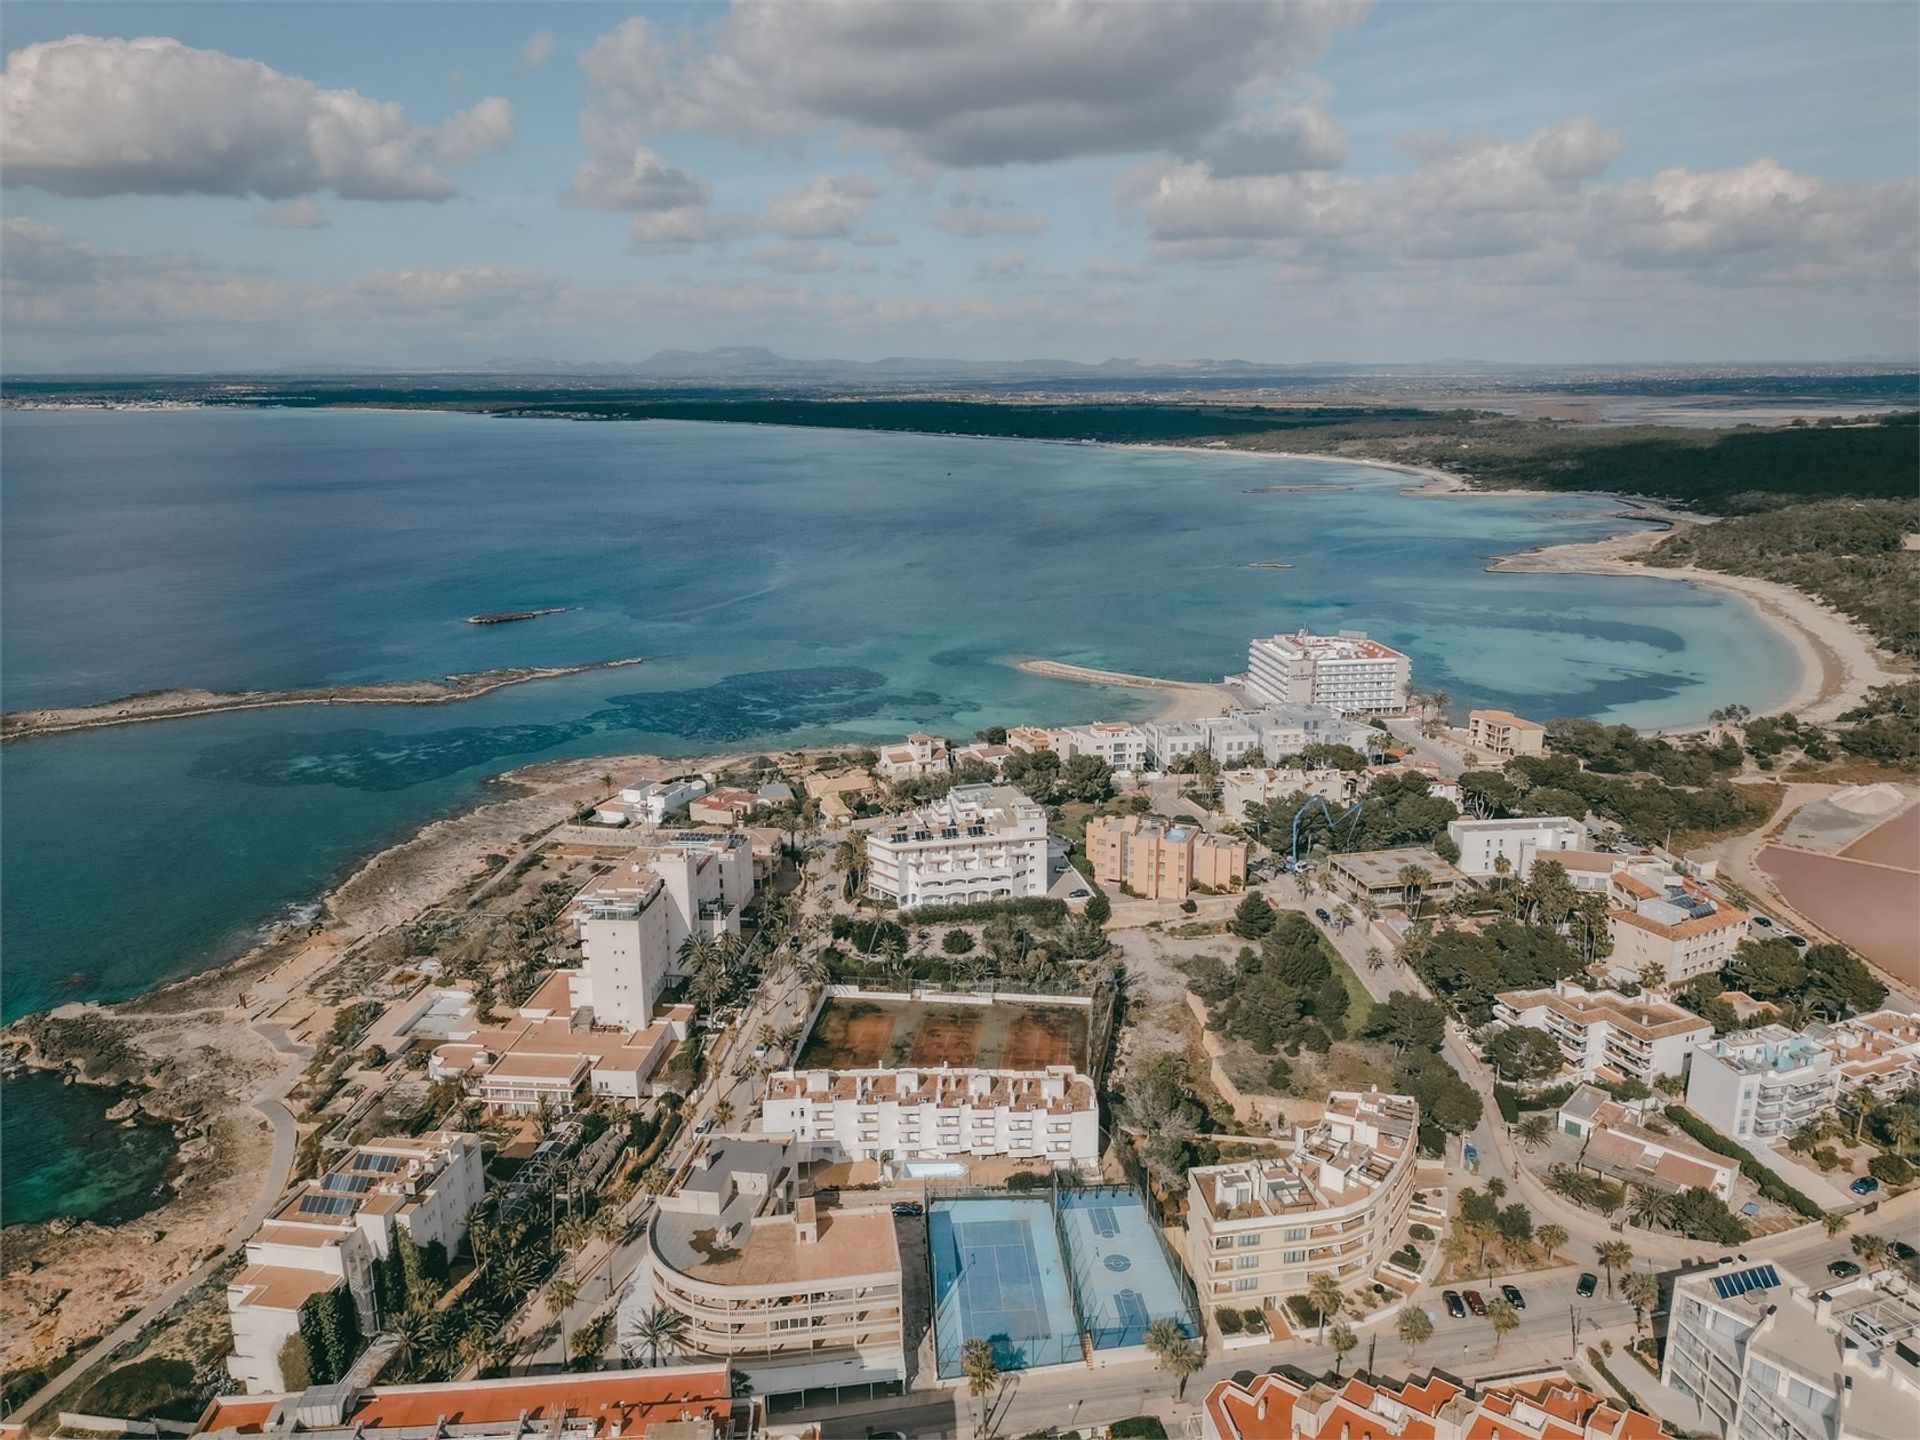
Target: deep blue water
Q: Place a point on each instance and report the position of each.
(784, 584)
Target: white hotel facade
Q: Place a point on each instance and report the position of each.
(979, 842)
(1345, 672)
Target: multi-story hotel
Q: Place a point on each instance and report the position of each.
(1762, 1084)
(1545, 1406)
(1767, 1357)
(1519, 842)
(1502, 735)
(1159, 860)
(1345, 672)
(1604, 1035)
(796, 1294)
(633, 919)
(918, 1114)
(330, 1231)
(1335, 1200)
(978, 842)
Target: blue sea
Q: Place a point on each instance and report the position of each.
(784, 585)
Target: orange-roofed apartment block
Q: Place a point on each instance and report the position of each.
(1548, 1406)
(1659, 918)
(676, 1402)
(1502, 735)
(329, 1232)
(1161, 861)
(1335, 1200)
(1604, 1035)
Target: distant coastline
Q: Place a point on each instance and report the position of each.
(180, 704)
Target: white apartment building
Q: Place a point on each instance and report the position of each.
(794, 1294)
(1346, 672)
(1124, 747)
(633, 920)
(1768, 1357)
(1518, 842)
(1878, 1052)
(330, 1231)
(656, 799)
(1241, 788)
(1604, 1034)
(978, 842)
(1334, 1200)
(1276, 731)
(916, 1114)
(1762, 1085)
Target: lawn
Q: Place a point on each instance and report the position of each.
(1359, 1002)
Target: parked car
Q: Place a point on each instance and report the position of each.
(1455, 1307)
(704, 1127)
(1081, 894)
(1513, 1297)
(909, 1209)
(1843, 1269)
(1322, 916)
(1865, 1185)
(1589, 1282)
(1903, 1251)
(1475, 1302)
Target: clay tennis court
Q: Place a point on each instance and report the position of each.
(1867, 896)
(862, 1034)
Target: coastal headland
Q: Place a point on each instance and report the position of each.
(179, 704)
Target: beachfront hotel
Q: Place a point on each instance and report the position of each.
(1347, 672)
(919, 754)
(1765, 1356)
(1543, 1406)
(329, 1232)
(1605, 1035)
(978, 842)
(1334, 1199)
(797, 1295)
(1161, 860)
(1503, 735)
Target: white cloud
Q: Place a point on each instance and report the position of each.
(1010, 266)
(957, 83)
(827, 207)
(876, 239)
(972, 214)
(641, 180)
(1113, 272)
(538, 49)
(92, 116)
(796, 259)
(678, 230)
(295, 215)
(1277, 142)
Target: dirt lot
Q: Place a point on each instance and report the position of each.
(866, 1034)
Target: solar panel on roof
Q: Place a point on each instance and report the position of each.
(326, 1205)
(1760, 1277)
(354, 1184)
(381, 1164)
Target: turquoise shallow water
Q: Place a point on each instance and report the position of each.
(64, 1157)
(785, 585)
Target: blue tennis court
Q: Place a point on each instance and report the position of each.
(1121, 1271)
(999, 1276)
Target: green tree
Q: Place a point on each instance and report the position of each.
(1642, 1291)
(1327, 1298)
(1533, 1130)
(1613, 1255)
(1342, 1339)
(1415, 1328)
(1253, 917)
(977, 1363)
(1524, 1054)
(1407, 1022)
(1504, 1319)
(1174, 1352)
(656, 1333)
(1551, 1238)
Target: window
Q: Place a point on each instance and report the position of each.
(1298, 1232)
(1245, 1262)
(1295, 1257)
(1250, 1282)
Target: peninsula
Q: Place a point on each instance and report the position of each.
(179, 704)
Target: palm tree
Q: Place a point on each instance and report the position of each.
(1327, 1298)
(1343, 916)
(516, 1272)
(1872, 1250)
(1533, 1130)
(1642, 1291)
(1551, 1238)
(1342, 1339)
(722, 1113)
(1504, 1318)
(982, 1372)
(1416, 1328)
(1414, 880)
(570, 1234)
(561, 1293)
(1649, 1208)
(413, 1335)
(660, 1331)
(1865, 1105)
(1834, 1223)
(1175, 1352)
(1613, 1255)
(1374, 957)
(1901, 1125)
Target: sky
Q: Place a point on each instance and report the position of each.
(243, 185)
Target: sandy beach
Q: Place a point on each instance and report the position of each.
(1181, 699)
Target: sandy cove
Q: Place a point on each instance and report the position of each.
(1181, 699)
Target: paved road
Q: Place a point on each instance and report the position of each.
(286, 1139)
